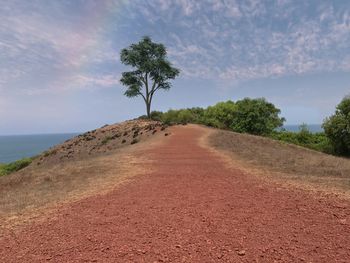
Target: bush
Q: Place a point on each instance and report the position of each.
(182, 116)
(170, 117)
(256, 116)
(156, 115)
(197, 114)
(106, 140)
(337, 128)
(14, 166)
(315, 141)
(221, 115)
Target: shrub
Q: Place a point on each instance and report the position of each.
(185, 116)
(14, 166)
(256, 116)
(197, 114)
(337, 127)
(221, 115)
(156, 115)
(315, 141)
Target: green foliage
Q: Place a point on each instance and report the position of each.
(221, 115)
(152, 70)
(106, 140)
(182, 116)
(156, 115)
(315, 141)
(256, 116)
(197, 114)
(14, 166)
(337, 128)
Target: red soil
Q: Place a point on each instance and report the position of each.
(189, 209)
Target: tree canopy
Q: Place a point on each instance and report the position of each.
(152, 70)
(337, 127)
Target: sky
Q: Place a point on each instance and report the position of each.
(60, 67)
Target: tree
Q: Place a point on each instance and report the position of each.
(337, 127)
(152, 70)
(221, 115)
(256, 116)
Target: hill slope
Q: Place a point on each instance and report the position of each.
(93, 162)
(187, 205)
(279, 160)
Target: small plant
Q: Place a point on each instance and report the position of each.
(6, 169)
(106, 140)
(49, 153)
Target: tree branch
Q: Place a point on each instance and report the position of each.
(143, 96)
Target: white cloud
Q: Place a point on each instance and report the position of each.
(208, 39)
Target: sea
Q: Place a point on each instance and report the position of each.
(14, 147)
(312, 128)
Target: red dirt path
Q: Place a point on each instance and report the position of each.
(190, 209)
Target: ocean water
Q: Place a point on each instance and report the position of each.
(311, 127)
(14, 147)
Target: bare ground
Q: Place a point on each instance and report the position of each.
(189, 206)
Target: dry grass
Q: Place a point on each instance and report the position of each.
(35, 190)
(285, 161)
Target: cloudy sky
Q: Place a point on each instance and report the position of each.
(60, 68)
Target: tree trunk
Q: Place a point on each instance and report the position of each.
(148, 106)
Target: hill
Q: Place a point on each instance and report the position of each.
(93, 162)
(175, 199)
(283, 161)
(98, 161)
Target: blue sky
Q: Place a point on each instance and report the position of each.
(60, 68)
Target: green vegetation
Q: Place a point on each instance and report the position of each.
(221, 115)
(152, 70)
(14, 166)
(106, 140)
(316, 141)
(260, 117)
(337, 128)
(255, 116)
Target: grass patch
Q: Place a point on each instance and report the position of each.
(106, 140)
(6, 169)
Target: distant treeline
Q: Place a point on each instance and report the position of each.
(260, 117)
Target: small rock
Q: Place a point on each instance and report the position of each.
(166, 134)
(241, 253)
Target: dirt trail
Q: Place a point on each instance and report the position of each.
(191, 208)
